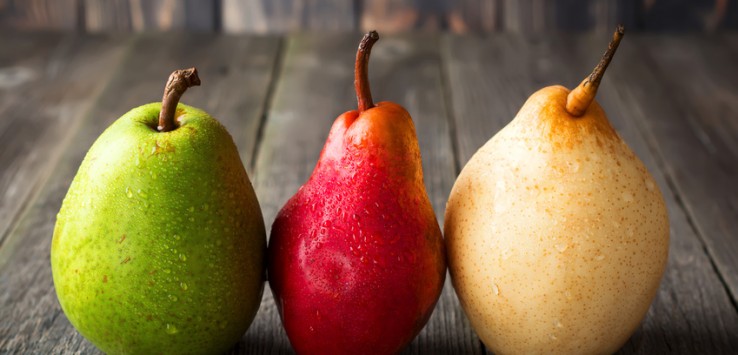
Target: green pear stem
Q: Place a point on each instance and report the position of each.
(178, 83)
(581, 97)
(361, 71)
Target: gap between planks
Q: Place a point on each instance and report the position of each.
(493, 78)
(41, 327)
(316, 86)
(61, 60)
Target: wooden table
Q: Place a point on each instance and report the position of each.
(673, 99)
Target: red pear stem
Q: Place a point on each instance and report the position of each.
(361, 71)
(581, 97)
(178, 83)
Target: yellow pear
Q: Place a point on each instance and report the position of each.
(557, 235)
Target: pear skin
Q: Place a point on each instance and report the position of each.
(557, 235)
(159, 245)
(356, 257)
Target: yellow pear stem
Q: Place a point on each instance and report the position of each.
(581, 97)
(178, 83)
(361, 71)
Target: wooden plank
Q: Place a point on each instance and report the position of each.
(236, 87)
(281, 16)
(407, 70)
(693, 311)
(23, 59)
(40, 14)
(698, 141)
(239, 101)
(149, 15)
(489, 79)
(45, 86)
(230, 67)
(317, 86)
(704, 65)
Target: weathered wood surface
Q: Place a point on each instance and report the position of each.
(48, 82)
(408, 70)
(232, 68)
(315, 86)
(278, 98)
(697, 139)
(693, 311)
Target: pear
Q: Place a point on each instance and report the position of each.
(557, 235)
(159, 245)
(356, 257)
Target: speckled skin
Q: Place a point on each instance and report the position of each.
(356, 257)
(557, 235)
(159, 245)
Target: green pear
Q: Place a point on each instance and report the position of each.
(159, 245)
(557, 235)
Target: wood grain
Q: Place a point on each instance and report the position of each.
(46, 81)
(692, 312)
(697, 140)
(671, 99)
(704, 65)
(32, 319)
(316, 87)
(22, 68)
(407, 70)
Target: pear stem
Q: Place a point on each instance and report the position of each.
(361, 71)
(178, 83)
(581, 97)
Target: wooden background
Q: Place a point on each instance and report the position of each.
(387, 16)
(66, 74)
(674, 99)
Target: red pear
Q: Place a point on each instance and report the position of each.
(356, 257)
